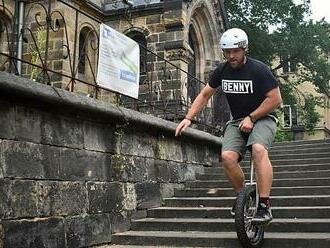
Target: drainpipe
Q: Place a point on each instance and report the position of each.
(20, 36)
(224, 15)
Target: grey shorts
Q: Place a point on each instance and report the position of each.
(262, 133)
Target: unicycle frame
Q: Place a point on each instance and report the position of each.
(250, 235)
(253, 182)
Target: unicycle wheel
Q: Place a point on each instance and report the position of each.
(249, 235)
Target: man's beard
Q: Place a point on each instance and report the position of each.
(237, 63)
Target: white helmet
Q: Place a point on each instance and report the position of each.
(234, 38)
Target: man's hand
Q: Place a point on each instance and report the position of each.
(182, 126)
(246, 125)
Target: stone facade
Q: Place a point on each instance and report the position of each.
(185, 33)
(74, 170)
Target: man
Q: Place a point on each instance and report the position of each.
(253, 94)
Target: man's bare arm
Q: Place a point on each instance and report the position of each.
(273, 100)
(198, 104)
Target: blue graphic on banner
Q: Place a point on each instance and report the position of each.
(128, 76)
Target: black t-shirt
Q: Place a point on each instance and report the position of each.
(245, 87)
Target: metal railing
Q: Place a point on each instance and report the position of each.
(50, 47)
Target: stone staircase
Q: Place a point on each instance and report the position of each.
(198, 216)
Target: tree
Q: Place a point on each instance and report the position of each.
(295, 40)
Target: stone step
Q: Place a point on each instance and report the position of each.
(297, 161)
(313, 149)
(323, 181)
(199, 216)
(301, 143)
(223, 212)
(217, 192)
(144, 246)
(276, 175)
(227, 225)
(276, 168)
(219, 239)
(301, 200)
(291, 156)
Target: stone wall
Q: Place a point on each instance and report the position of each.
(74, 170)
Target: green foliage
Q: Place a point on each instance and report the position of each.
(302, 42)
(35, 57)
(281, 134)
(311, 117)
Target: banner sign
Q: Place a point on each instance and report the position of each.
(119, 62)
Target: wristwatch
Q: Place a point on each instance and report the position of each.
(253, 121)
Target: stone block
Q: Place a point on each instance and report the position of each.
(151, 170)
(172, 5)
(18, 199)
(36, 233)
(139, 214)
(132, 169)
(99, 137)
(152, 38)
(129, 201)
(61, 131)
(137, 144)
(128, 168)
(169, 149)
(177, 44)
(121, 222)
(189, 173)
(28, 160)
(7, 120)
(189, 153)
(153, 19)
(168, 36)
(84, 165)
(162, 170)
(50, 161)
(177, 172)
(28, 124)
(148, 195)
(167, 189)
(62, 198)
(105, 197)
(88, 230)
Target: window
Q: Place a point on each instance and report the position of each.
(82, 52)
(290, 115)
(141, 40)
(193, 85)
(5, 32)
(2, 27)
(288, 64)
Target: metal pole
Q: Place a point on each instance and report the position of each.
(20, 37)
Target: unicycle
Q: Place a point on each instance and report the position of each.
(250, 235)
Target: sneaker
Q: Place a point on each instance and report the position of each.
(232, 211)
(263, 216)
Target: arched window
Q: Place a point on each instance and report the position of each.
(193, 84)
(87, 60)
(82, 51)
(142, 41)
(5, 32)
(87, 53)
(2, 27)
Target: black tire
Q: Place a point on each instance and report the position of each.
(249, 235)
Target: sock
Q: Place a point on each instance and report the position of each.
(264, 202)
